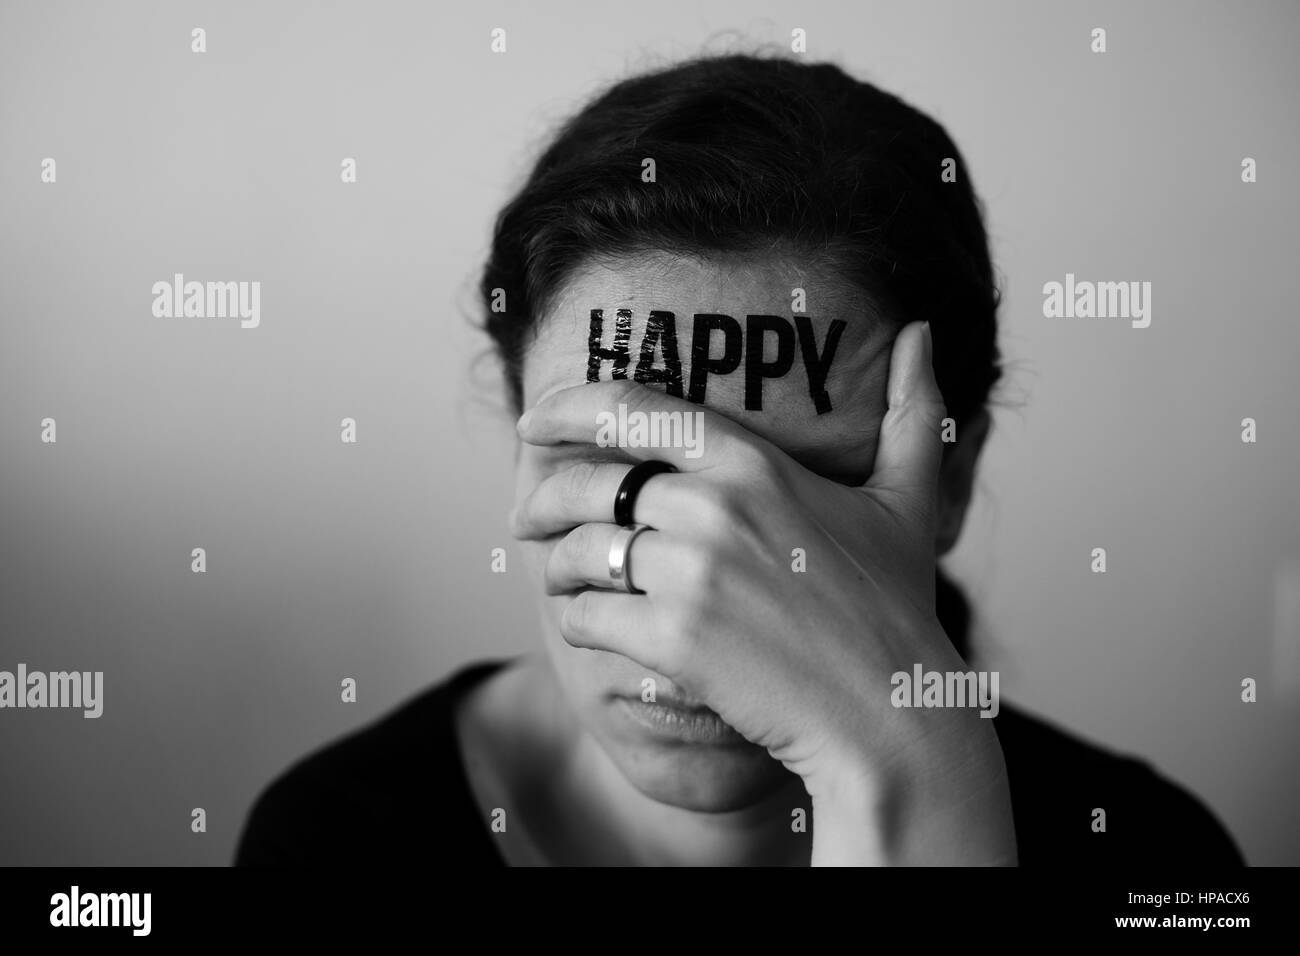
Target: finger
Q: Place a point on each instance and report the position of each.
(644, 422)
(585, 492)
(581, 559)
(910, 449)
(625, 624)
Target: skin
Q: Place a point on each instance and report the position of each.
(798, 664)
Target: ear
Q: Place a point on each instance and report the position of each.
(957, 480)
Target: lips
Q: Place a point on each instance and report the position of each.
(675, 700)
(675, 718)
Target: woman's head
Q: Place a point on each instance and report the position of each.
(743, 187)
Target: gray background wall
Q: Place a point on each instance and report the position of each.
(371, 561)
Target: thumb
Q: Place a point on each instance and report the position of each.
(910, 450)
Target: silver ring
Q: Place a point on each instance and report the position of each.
(620, 571)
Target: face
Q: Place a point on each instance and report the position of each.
(690, 765)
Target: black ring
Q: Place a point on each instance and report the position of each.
(635, 479)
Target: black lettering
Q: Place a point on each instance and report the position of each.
(818, 365)
(661, 328)
(756, 329)
(701, 364)
(620, 354)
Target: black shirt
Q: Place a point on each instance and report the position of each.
(396, 790)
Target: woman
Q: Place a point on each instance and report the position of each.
(789, 268)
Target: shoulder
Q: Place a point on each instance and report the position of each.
(365, 795)
(1060, 781)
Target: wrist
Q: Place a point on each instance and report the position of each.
(849, 821)
(948, 812)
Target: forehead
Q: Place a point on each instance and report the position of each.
(780, 346)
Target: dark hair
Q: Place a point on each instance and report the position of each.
(756, 152)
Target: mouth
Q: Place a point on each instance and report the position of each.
(670, 719)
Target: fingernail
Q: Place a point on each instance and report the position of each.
(523, 420)
(929, 339)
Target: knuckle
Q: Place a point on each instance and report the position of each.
(578, 542)
(576, 483)
(679, 635)
(573, 623)
(698, 568)
(553, 573)
(934, 410)
(516, 521)
(632, 393)
(756, 464)
(716, 511)
(929, 413)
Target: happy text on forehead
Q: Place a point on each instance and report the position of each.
(739, 346)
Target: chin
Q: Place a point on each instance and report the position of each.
(692, 761)
(705, 779)
(689, 760)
